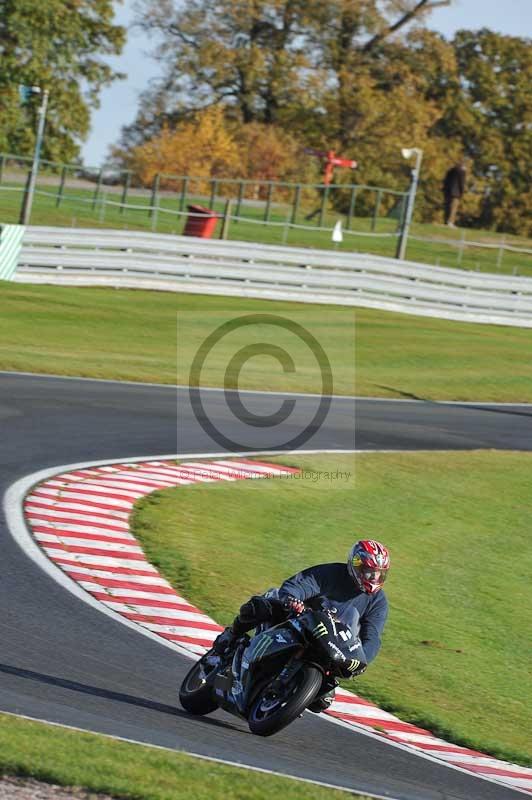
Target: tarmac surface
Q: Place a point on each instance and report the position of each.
(65, 662)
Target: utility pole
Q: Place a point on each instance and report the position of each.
(408, 152)
(27, 202)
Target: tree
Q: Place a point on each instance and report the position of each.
(55, 44)
(491, 118)
(362, 77)
(468, 97)
(201, 147)
(396, 101)
(352, 39)
(266, 152)
(271, 61)
(241, 52)
(210, 146)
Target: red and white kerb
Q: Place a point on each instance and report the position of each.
(81, 521)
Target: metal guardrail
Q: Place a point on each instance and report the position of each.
(177, 263)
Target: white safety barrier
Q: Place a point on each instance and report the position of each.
(177, 263)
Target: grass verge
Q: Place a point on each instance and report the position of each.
(124, 770)
(453, 657)
(131, 335)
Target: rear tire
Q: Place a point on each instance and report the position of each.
(270, 713)
(196, 694)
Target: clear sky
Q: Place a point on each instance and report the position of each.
(119, 101)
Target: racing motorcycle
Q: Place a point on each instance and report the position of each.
(270, 679)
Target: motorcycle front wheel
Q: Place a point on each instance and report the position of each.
(274, 709)
(195, 694)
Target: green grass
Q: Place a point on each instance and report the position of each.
(458, 527)
(124, 770)
(131, 335)
(76, 209)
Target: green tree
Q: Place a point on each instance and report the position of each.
(246, 53)
(396, 99)
(357, 42)
(271, 61)
(59, 45)
(491, 118)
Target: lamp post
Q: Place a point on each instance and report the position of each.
(408, 152)
(29, 190)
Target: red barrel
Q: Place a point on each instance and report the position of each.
(201, 222)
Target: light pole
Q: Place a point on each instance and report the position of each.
(408, 152)
(27, 202)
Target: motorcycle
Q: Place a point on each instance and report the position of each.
(270, 679)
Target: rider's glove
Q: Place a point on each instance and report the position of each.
(293, 604)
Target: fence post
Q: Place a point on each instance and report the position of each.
(352, 203)
(214, 192)
(286, 228)
(323, 204)
(154, 196)
(295, 206)
(98, 186)
(400, 213)
(183, 198)
(461, 247)
(61, 188)
(500, 254)
(125, 190)
(376, 210)
(267, 210)
(226, 219)
(103, 201)
(240, 197)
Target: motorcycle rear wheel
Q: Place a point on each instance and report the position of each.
(195, 694)
(272, 712)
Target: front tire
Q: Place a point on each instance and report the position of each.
(195, 694)
(271, 712)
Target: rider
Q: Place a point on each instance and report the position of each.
(352, 592)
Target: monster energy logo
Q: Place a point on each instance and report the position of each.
(261, 647)
(353, 664)
(320, 630)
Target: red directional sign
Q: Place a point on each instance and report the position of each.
(331, 161)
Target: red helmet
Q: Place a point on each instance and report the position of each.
(368, 564)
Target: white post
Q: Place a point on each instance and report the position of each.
(25, 212)
(403, 237)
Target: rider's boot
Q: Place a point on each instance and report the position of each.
(224, 641)
(255, 611)
(229, 637)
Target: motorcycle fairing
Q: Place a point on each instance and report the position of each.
(332, 637)
(279, 641)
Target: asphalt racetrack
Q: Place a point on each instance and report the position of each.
(65, 662)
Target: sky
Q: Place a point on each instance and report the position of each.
(118, 103)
